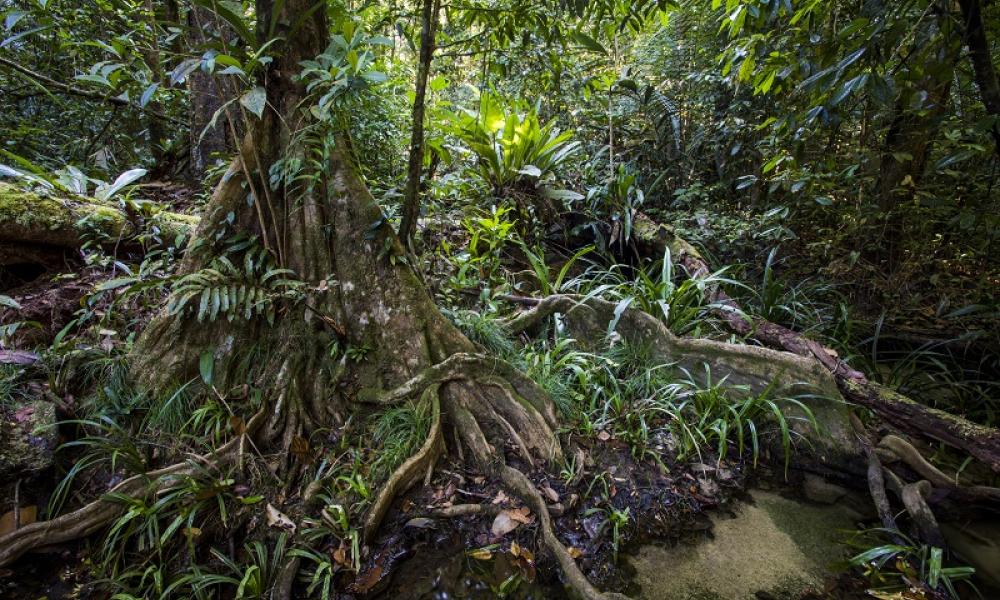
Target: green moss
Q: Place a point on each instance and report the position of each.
(27, 214)
(775, 545)
(27, 210)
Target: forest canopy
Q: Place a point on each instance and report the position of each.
(499, 298)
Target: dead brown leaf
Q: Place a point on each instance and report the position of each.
(368, 580)
(239, 427)
(504, 523)
(276, 518)
(28, 516)
(521, 515)
(550, 493)
(300, 449)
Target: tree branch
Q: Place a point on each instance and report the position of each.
(82, 93)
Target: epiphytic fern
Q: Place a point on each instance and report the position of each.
(223, 289)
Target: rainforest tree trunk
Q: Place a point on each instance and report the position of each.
(411, 197)
(984, 72)
(208, 95)
(359, 292)
(908, 143)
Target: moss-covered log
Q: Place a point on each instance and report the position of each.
(752, 368)
(33, 224)
(894, 408)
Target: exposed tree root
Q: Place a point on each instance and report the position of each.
(654, 238)
(904, 451)
(909, 416)
(589, 318)
(876, 480)
(519, 483)
(456, 511)
(97, 514)
(914, 497)
(758, 369)
(484, 400)
(920, 420)
(282, 589)
(418, 466)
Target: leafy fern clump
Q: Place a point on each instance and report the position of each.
(223, 289)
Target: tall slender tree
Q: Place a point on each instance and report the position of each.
(415, 166)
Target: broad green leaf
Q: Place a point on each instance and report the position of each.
(374, 76)
(13, 18)
(206, 365)
(23, 34)
(8, 302)
(113, 284)
(255, 100)
(588, 42)
(183, 69)
(438, 83)
(106, 192)
(561, 194)
(148, 94)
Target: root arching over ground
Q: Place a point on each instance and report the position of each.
(361, 293)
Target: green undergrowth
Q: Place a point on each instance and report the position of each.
(174, 544)
(179, 544)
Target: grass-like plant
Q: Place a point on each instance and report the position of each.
(548, 282)
(711, 413)
(663, 289)
(900, 564)
(397, 434)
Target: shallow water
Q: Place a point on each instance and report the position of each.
(774, 545)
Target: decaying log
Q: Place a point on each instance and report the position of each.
(30, 220)
(745, 368)
(904, 413)
(924, 421)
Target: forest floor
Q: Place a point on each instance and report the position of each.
(607, 503)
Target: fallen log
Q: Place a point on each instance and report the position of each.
(745, 368)
(30, 222)
(894, 408)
